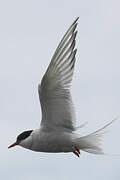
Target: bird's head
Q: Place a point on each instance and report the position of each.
(24, 139)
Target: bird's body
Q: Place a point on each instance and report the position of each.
(53, 141)
(57, 128)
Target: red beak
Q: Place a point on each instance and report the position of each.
(14, 144)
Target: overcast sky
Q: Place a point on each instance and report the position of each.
(29, 33)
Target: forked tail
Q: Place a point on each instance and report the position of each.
(92, 143)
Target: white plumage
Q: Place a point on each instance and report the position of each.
(55, 98)
(57, 129)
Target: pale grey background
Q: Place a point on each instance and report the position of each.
(29, 34)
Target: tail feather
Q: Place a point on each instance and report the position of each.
(92, 143)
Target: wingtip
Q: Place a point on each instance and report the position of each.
(76, 20)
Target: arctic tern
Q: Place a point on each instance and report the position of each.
(57, 131)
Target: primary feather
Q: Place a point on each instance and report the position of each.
(54, 93)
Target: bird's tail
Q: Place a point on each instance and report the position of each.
(92, 143)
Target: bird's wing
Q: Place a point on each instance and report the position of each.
(55, 98)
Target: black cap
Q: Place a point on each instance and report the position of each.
(24, 135)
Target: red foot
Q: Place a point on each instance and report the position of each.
(77, 152)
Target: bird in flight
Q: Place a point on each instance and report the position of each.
(57, 131)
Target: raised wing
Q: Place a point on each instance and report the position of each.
(54, 94)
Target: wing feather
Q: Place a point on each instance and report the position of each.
(54, 90)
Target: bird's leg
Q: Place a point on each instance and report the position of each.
(77, 151)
